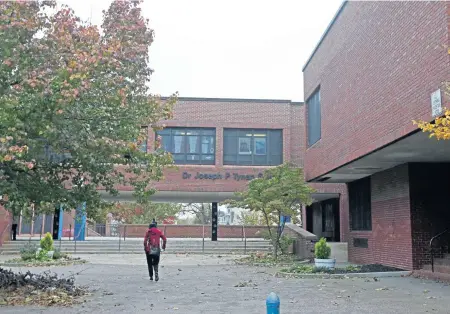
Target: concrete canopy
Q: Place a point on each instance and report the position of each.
(417, 147)
(195, 197)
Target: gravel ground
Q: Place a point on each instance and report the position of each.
(195, 284)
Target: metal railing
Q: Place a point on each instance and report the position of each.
(431, 247)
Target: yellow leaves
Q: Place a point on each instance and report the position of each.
(132, 146)
(72, 64)
(439, 129)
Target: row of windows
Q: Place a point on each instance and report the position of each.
(258, 147)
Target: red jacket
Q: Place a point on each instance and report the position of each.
(152, 239)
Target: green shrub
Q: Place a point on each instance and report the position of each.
(42, 256)
(322, 250)
(47, 242)
(28, 251)
(284, 243)
(58, 254)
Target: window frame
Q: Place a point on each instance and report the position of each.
(314, 109)
(234, 156)
(198, 132)
(360, 205)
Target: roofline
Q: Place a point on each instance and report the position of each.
(325, 33)
(283, 101)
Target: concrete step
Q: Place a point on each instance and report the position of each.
(140, 251)
(445, 269)
(116, 247)
(173, 242)
(134, 246)
(442, 261)
(113, 246)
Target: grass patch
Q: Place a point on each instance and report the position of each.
(351, 269)
(63, 261)
(265, 259)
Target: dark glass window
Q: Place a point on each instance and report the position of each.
(257, 147)
(314, 118)
(360, 205)
(189, 145)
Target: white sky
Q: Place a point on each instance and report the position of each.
(232, 48)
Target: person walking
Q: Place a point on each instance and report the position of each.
(152, 246)
(15, 221)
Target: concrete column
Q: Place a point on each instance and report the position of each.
(80, 223)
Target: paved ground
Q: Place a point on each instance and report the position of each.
(196, 284)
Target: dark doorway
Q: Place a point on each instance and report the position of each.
(323, 219)
(331, 220)
(309, 218)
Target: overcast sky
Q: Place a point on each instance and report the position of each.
(233, 48)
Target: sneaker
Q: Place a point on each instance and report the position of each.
(156, 277)
(151, 278)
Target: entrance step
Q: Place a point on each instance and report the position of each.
(441, 265)
(428, 274)
(124, 247)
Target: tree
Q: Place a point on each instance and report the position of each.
(202, 212)
(279, 192)
(251, 218)
(134, 213)
(158, 211)
(75, 106)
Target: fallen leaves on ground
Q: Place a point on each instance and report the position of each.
(245, 284)
(39, 289)
(30, 296)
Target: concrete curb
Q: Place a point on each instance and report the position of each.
(77, 262)
(350, 275)
(270, 265)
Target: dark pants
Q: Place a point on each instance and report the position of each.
(14, 231)
(152, 263)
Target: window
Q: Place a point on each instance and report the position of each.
(252, 147)
(189, 145)
(360, 205)
(314, 118)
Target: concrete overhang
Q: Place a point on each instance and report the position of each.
(173, 197)
(417, 147)
(194, 197)
(319, 197)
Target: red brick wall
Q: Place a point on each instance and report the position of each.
(376, 69)
(297, 127)
(5, 225)
(389, 242)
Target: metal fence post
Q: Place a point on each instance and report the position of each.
(242, 232)
(203, 241)
(245, 241)
(120, 238)
(60, 239)
(70, 231)
(124, 232)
